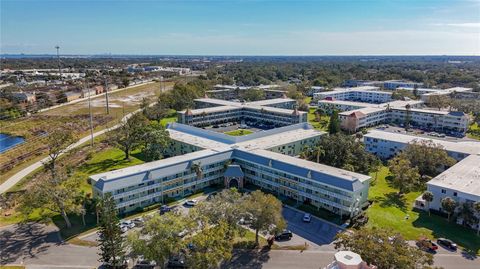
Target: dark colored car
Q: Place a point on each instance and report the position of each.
(164, 209)
(177, 261)
(447, 243)
(284, 235)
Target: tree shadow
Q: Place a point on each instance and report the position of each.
(247, 259)
(393, 199)
(26, 240)
(461, 235)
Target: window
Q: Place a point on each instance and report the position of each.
(454, 193)
(444, 191)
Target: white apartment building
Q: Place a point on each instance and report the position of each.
(368, 94)
(460, 182)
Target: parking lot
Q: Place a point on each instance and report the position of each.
(317, 233)
(422, 133)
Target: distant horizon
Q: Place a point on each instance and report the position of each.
(237, 27)
(243, 55)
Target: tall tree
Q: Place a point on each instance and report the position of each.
(467, 213)
(428, 197)
(334, 123)
(342, 151)
(156, 140)
(383, 249)
(227, 206)
(266, 212)
(430, 158)
(159, 238)
(57, 141)
(404, 177)
(438, 101)
(210, 247)
(57, 193)
(110, 240)
(449, 205)
(476, 209)
(129, 135)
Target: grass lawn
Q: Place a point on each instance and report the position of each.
(239, 132)
(12, 267)
(390, 211)
(474, 131)
(321, 125)
(248, 240)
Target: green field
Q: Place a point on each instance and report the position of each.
(321, 125)
(239, 132)
(391, 211)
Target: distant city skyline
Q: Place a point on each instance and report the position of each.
(374, 27)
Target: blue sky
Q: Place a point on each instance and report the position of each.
(324, 27)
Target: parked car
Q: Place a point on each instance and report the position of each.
(447, 243)
(307, 217)
(144, 263)
(164, 209)
(128, 223)
(427, 245)
(118, 264)
(177, 261)
(138, 221)
(192, 202)
(284, 235)
(123, 228)
(183, 233)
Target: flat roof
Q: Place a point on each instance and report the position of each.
(463, 176)
(348, 103)
(152, 165)
(467, 147)
(196, 140)
(365, 110)
(283, 138)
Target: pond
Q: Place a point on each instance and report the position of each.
(7, 142)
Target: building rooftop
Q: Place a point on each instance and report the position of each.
(467, 147)
(463, 176)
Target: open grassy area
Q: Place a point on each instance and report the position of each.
(73, 116)
(321, 125)
(107, 160)
(239, 132)
(246, 240)
(12, 267)
(391, 211)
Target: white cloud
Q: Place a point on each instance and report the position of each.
(464, 25)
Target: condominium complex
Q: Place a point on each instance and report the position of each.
(460, 182)
(275, 112)
(363, 107)
(266, 159)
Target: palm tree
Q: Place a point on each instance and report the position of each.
(428, 197)
(197, 168)
(467, 213)
(476, 208)
(449, 205)
(319, 151)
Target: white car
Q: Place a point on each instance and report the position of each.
(123, 228)
(191, 202)
(307, 217)
(128, 223)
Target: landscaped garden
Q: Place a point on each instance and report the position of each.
(389, 210)
(239, 132)
(319, 123)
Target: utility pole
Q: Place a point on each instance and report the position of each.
(106, 94)
(91, 117)
(58, 59)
